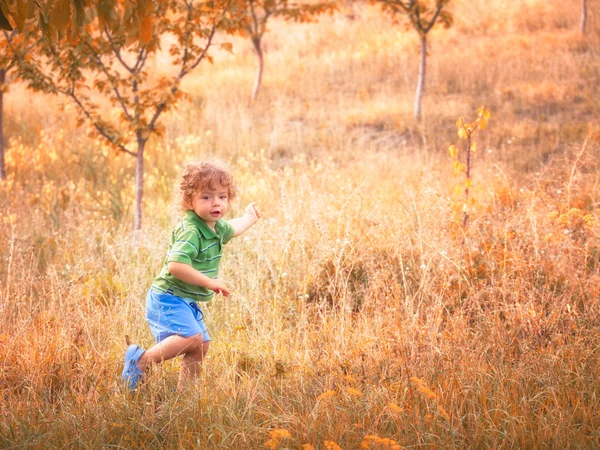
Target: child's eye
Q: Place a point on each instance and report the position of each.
(223, 197)
(205, 197)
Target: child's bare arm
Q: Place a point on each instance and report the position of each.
(242, 223)
(188, 274)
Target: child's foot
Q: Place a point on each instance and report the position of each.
(132, 374)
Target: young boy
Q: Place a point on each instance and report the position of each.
(189, 273)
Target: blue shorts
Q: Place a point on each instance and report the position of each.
(170, 315)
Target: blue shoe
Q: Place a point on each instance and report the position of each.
(132, 374)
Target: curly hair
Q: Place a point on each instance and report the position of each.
(198, 175)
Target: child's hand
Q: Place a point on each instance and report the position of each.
(253, 210)
(219, 288)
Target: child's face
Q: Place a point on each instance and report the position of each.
(210, 204)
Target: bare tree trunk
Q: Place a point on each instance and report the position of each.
(139, 183)
(2, 164)
(259, 54)
(583, 21)
(421, 81)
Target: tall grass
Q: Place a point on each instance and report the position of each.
(362, 311)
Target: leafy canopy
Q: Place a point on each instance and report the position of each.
(60, 19)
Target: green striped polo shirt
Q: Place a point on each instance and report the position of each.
(194, 243)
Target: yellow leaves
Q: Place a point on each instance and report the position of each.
(459, 167)
(453, 151)
(429, 394)
(275, 436)
(421, 386)
(279, 434)
(354, 392)
(462, 131)
(227, 46)
(349, 378)
(9, 219)
(443, 412)
(372, 441)
(395, 409)
(467, 131)
(483, 117)
(573, 220)
(327, 394)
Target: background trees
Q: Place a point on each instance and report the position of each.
(256, 14)
(106, 65)
(6, 64)
(422, 15)
(583, 19)
(19, 43)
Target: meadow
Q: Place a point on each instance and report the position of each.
(363, 315)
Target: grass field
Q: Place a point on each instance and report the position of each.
(363, 314)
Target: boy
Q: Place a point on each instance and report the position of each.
(189, 273)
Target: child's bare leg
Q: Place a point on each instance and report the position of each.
(170, 348)
(190, 364)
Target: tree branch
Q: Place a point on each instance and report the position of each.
(98, 127)
(433, 19)
(100, 63)
(116, 51)
(182, 73)
(71, 93)
(202, 55)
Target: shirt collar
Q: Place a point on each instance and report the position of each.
(201, 225)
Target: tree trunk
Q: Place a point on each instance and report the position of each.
(583, 21)
(421, 81)
(259, 54)
(2, 164)
(139, 183)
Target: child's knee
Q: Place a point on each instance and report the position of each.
(195, 342)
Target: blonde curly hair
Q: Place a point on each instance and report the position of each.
(198, 175)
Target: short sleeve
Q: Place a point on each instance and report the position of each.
(226, 231)
(185, 246)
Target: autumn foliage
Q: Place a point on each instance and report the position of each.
(63, 19)
(108, 64)
(363, 314)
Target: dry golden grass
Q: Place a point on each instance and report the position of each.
(362, 316)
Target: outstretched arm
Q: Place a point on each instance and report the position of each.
(250, 217)
(188, 274)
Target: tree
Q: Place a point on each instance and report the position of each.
(256, 14)
(5, 66)
(19, 43)
(422, 16)
(57, 19)
(583, 20)
(102, 64)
